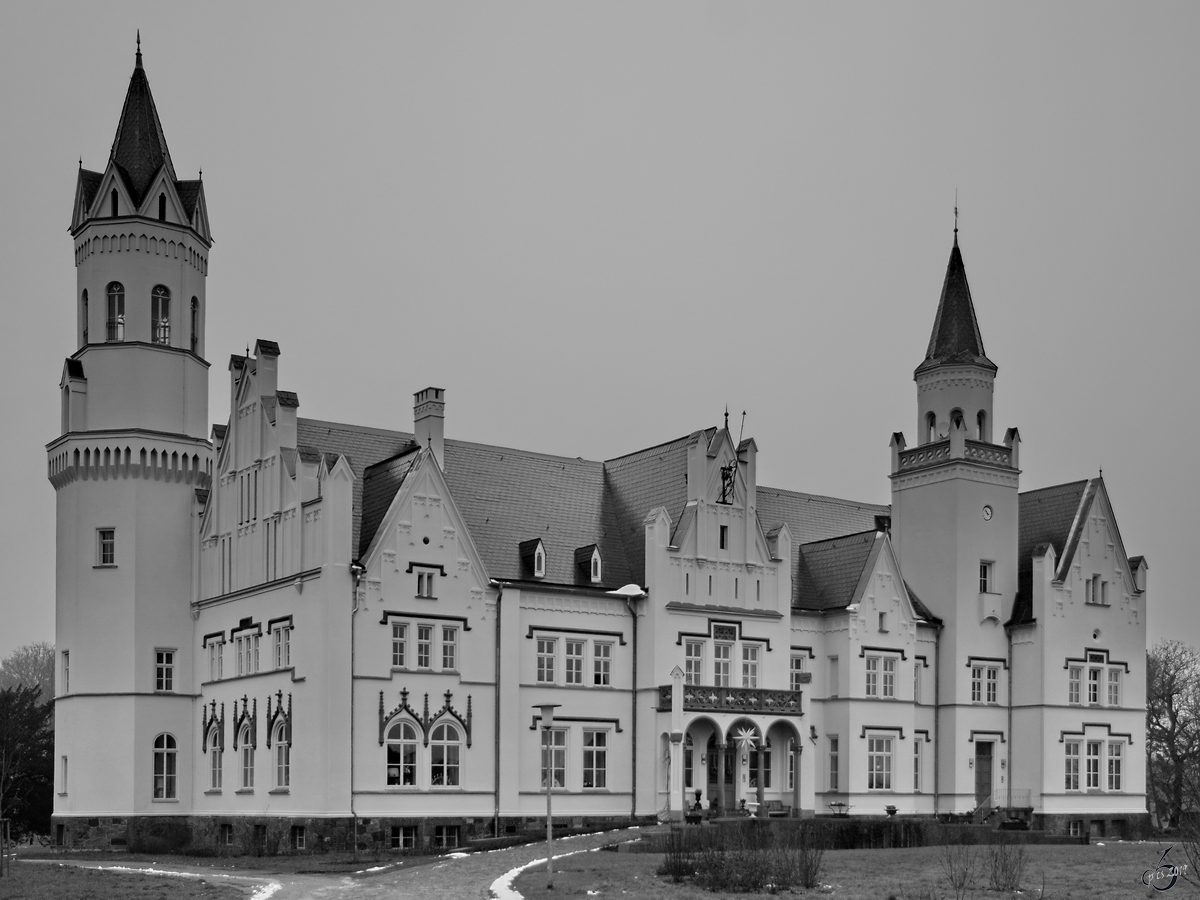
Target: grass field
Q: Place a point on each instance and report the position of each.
(51, 881)
(1107, 871)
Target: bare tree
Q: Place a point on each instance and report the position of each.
(26, 759)
(1173, 729)
(32, 666)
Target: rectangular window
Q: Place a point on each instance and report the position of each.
(916, 764)
(693, 663)
(424, 646)
(1114, 767)
(1093, 685)
(404, 837)
(985, 577)
(916, 681)
(1073, 676)
(883, 622)
(445, 837)
(214, 770)
(797, 671)
(976, 684)
(993, 678)
(1076, 828)
(227, 835)
(879, 763)
(872, 687)
(283, 646)
(750, 665)
(247, 766)
(297, 837)
(164, 670)
(833, 676)
(554, 753)
(602, 664)
(216, 661)
(889, 677)
(573, 659)
(721, 654)
(1114, 687)
(246, 647)
(425, 585)
(107, 553)
(449, 648)
(595, 759)
(833, 762)
(724, 536)
(66, 676)
(1072, 757)
(545, 660)
(791, 758)
(64, 775)
(399, 645)
(1093, 764)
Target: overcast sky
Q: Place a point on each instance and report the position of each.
(597, 224)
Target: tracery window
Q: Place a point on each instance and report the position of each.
(160, 315)
(164, 767)
(116, 312)
(444, 747)
(402, 755)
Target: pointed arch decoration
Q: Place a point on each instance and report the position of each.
(281, 716)
(209, 721)
(424, 719)
(248, 715)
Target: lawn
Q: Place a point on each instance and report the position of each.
(1105, 871)
(51, 881)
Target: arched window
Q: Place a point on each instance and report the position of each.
(981, 425)
(956, 419)
(402, 755)
(160, 315)
(930, 427)
(116, 312)
(114, 203)
(443, 756)
(215, 761)
(247, 758)
(162, 207)
(283, 757)
(164, 767)
(195, 325)
(84, 316)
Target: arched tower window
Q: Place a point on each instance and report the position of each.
(981, 425)
(443, 756)
(195, 325)
(160, 315)
(283, 757)
(164, 767)
(930, 427)
(116, 312)
(114, 203)
(84, 316)
(162, 207)
(956, 419)
(402, 755)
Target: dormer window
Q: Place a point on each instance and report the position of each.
(588, 566)
(114, 203)
(533, 557)
(539, 562)
(162, 207)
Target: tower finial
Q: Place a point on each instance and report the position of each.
(726, 416)
(138, 63)
(956, 217)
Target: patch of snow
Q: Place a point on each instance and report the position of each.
(502, 888)
(266, 891)
(459, 854)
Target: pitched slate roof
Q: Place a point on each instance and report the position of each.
(1045, 516)
(833, 569)
(189, 195)
(955, 338)
(380, 483)
(139, 149)
(90, 183)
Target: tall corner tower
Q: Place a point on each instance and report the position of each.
(130, 470)
(954, 526)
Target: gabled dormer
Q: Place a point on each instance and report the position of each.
(533, 558)
(588, 565)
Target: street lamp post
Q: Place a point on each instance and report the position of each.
(548, 759)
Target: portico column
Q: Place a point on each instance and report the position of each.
(720, 778)
(762, 775)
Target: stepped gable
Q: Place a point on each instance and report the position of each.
(645, 480)
(1046, 516)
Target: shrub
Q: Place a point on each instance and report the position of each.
(1005, 865)
(679, 860)
(958, 864)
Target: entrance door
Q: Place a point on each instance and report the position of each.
(983, 771)
(727, 795)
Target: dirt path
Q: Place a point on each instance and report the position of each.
(466, 877)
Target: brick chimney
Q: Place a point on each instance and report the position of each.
(429, 413)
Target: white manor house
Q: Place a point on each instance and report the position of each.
(292, 629)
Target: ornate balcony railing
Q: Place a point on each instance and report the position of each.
(705, 698)
(939, 452)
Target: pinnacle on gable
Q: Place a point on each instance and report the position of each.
(139, 149)
(955, 339)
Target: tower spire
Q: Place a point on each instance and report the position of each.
(955, 339)
(138, 59)
(956, 217)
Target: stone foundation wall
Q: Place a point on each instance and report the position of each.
(1104, 827)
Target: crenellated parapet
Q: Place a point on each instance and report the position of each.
(79, 459)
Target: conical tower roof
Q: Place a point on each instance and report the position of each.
(139, 150)
(955, 339)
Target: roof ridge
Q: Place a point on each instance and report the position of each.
(841, 537)
(1052, 487)
(686, 437)
(824, 498)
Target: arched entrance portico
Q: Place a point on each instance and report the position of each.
(739, 762)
